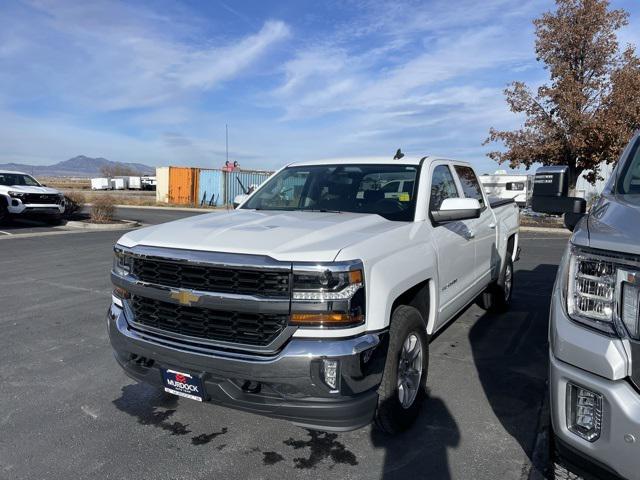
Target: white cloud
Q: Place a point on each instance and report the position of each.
(113, 55)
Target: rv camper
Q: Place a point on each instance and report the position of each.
(505, 186)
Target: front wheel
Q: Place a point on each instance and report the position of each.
(4, 213)
(403, 387)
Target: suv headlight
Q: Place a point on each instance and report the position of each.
(17, 194)
(328, 295)
(602, 292)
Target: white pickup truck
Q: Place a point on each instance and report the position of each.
(21, 195)
(315, 300)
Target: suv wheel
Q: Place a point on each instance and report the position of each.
(403, 387)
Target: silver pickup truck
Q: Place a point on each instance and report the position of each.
(594, 331)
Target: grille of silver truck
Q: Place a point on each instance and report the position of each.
(257, 329)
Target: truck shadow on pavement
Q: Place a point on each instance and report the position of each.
(509, 352)
(421, 452)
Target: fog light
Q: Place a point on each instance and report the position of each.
(118, 295)
(584, 412)
(330, 373)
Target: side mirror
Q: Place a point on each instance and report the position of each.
(239, 199)
(551, 195)
(453, 209)
(551, 192)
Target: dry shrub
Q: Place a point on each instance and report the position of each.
(73, 203)
(103, 209)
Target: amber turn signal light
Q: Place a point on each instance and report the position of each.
(330, 319)
(121, 293)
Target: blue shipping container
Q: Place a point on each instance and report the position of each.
(211, 188)
(247, 178)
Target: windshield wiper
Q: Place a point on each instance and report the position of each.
(321, 210)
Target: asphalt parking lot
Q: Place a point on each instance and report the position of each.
(68, 411)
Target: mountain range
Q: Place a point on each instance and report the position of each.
(81, 166)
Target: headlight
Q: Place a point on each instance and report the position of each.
(122, 263)
(602, 292)
(17, 194)
(326, 284)
(328, 295)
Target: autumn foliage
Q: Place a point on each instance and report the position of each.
(590, 107)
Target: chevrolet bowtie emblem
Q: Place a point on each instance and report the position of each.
(185, 298)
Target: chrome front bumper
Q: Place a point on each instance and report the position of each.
(290, 382)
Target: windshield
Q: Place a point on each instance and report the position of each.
(629, 182)
(12, 179)
(385, 190)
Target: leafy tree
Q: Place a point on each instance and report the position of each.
(590, 108)
(115, 170)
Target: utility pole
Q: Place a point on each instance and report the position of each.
(226, 126)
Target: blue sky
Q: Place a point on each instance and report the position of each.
(155, 82)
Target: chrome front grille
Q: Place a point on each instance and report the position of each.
(241, 281)
(258, 329)
(212, 299)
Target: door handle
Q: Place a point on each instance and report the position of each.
(492, 226)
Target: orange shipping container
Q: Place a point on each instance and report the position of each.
(183, 185)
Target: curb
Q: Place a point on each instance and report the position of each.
(127, 224)
(557, 231)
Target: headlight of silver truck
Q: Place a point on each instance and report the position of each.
(602, 292)
(328, 295)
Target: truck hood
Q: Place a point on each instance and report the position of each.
(288, 236)
(614, 224)
(26, 189)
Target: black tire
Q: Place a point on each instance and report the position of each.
(4, 214)
(391, 416)
(497, 298)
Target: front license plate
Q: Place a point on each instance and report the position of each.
(183, 384)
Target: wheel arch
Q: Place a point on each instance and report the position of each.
(420, 296)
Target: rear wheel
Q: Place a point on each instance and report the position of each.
(403, 387)
(497, 297)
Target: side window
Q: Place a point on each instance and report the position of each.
(470, 185)
(442, 187)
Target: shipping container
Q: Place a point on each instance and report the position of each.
(162, 184)
(211, 188)
(248, 178)
(100, 184)
(183, 185)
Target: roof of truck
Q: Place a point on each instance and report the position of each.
(406, 160)
(13, 172)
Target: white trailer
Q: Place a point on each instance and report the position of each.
(100, 184)
(506, 186)
(118, 183)
(134, 183)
